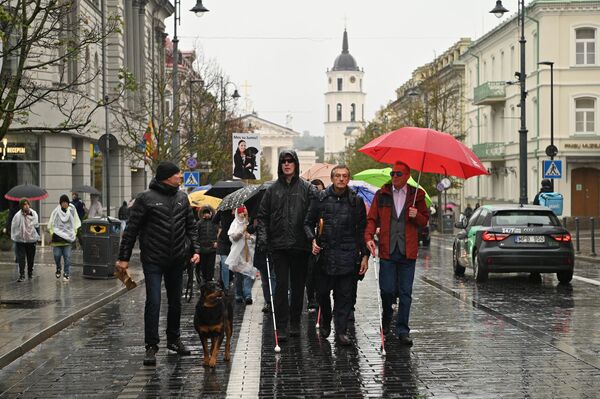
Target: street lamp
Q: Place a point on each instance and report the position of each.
(235, 96)
(551, 150)
(198, 10)
(499, 11)
(414, 93)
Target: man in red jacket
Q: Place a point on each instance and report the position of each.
(393, 212)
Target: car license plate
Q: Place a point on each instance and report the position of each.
(530, 239)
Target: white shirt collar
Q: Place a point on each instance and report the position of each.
(404, 189)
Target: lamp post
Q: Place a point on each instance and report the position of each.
(235, 96)
(198, 9)
(499, 11)
(551, 150)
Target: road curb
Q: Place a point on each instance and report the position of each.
(48, 332)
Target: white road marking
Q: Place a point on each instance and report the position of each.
(586, 280)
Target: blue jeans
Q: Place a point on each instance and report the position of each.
(243, 286)
(64, 252)
(173, 275)
(224, 272)
(396, 276)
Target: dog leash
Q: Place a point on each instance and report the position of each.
(189, 289)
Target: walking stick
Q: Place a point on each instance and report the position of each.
(277, 348)
(376, 262)
(318, 318)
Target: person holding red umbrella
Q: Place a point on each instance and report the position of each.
(397, 210)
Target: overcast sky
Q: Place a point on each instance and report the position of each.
(282, 48)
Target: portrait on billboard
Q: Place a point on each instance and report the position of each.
(246, 156)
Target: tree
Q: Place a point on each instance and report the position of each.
(46, 62)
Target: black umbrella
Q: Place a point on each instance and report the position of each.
(86, 189)
(29, 191)
(253, 201)
(225, 187)
(236, 198)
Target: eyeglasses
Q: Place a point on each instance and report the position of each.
(287, 160)
(341, 176)
(397, 174)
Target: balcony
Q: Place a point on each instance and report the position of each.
(489, 151)
(490, 93)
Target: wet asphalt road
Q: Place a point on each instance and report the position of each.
(511, 337)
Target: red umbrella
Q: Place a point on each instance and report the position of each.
(425, 150)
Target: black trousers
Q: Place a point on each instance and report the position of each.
(343, 299)
(206, 266)
(311, 279)
(290, 266)
(25, 251)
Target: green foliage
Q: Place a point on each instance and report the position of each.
(3, 218)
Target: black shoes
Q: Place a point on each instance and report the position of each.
(405, 340)
(248, 301)
(294, 329)
(266, 308)
(179, 347)
(343, 340)
(21, 279)
(324, 331)
(150, 356)
(57, 274)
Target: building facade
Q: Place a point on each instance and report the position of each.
(566, 33)
(344, 102)
(62, 161)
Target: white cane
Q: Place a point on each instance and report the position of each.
(376, 262)
(277, 348)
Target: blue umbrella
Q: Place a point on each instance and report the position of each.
(364, 190)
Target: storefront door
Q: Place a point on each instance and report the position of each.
(585, 195)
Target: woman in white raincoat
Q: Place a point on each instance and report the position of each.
(63, 225)
(240, 259)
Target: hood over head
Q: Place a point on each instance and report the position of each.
(289, 153)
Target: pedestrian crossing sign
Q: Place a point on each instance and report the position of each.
(552, 169)
(191, 179)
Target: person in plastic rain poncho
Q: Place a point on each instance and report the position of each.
(240, 259)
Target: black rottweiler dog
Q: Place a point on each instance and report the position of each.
(214, 319)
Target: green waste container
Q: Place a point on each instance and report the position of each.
(448, 224)
(101, 240)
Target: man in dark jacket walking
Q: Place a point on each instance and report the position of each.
(281, 230)
(164, 221)
(393, 211)
(342, 248)
(546, 188)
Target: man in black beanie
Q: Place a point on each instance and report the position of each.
(164, 220)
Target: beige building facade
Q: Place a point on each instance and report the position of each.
(566, 33)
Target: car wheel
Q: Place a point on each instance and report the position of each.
(481, 273)
(565, 277)
(458, 269)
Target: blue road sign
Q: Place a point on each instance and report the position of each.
(552, 169)
(191, 179)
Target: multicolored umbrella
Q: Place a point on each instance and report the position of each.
(29, 191)
(321, 171)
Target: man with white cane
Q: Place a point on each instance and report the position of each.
(398, 210)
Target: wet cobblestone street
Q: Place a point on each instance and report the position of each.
(512, 337)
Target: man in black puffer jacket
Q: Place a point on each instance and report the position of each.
(280, 230)
(341, 246)
(164, 220)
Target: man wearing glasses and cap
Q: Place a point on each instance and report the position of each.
(280, 230)
(398, 215)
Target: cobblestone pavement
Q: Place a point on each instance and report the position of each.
(511, 337)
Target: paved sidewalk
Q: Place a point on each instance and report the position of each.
(34, 310)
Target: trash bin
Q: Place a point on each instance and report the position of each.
(448, 224)
(101, 239)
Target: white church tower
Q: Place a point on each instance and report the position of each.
(345, 104)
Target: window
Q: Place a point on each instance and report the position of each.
(339, 112)
(339, 84)
(352, 112)
(585, 46)
(585, 115)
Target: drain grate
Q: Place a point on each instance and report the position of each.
(24, 303)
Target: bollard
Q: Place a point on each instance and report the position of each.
(577, 236)
(593, 223)
(565, 222)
